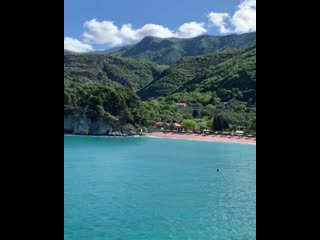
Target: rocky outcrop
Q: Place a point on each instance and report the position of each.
(83, 125)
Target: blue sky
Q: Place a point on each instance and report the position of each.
(101, 24)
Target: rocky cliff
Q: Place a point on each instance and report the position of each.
(82, 124)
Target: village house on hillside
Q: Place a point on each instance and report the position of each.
(181, 105)
(178, 127)
(162, 124)
(165, 126)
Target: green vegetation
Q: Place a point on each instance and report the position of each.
(169, 51)
(222, 84)
(219, 123)
(108, 69)
(115, 104)
(219, 89)
(231, 74)
(190, 124)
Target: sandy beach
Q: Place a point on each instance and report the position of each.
(189, 136)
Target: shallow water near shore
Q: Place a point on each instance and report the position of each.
(132, 188)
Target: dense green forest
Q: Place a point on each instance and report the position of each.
(225, 70)
(219, 89)
(169, 51)
(127, 72)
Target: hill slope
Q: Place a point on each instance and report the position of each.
(169, 51)
(227, 70)
(107, 88)
(101, 68)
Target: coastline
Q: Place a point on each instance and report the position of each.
(177, 136)
(198, 137)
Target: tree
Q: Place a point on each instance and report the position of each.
(195, 113)
(241, 108)
(144, 129)
(190, 124)
(209, 123)
(213, 98)
(253, 124)
(219, 123)
(202, 125)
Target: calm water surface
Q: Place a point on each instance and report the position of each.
(158, 189)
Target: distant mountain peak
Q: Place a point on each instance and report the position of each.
(167, 51)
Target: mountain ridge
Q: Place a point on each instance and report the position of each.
(112, 91)
(167, 51)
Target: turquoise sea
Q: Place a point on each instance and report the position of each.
(144, 188)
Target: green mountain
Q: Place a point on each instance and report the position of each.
(112, 50)
(105, 91)
(226, 70)
(105, 69)
(169, 51)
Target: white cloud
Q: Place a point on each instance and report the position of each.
(75, 45)
(106, 32)
(242, 21)
(219, 20)
(152, 30)
(190, 30)
(102, 33)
